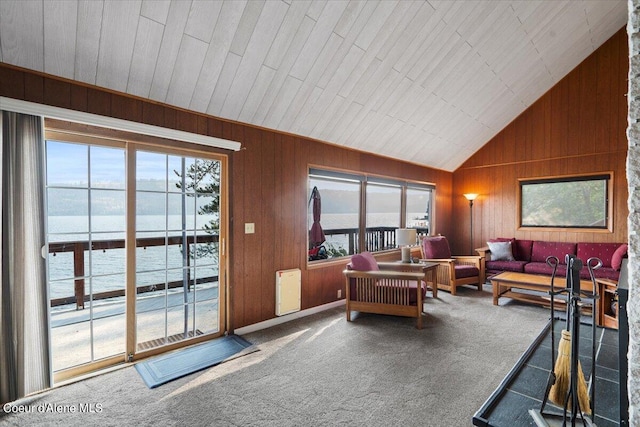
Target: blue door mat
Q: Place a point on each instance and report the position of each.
(167, 367)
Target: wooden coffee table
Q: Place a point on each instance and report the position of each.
(503, 284)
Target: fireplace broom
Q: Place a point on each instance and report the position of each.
(560, 390)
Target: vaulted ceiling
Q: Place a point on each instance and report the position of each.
(429, 82)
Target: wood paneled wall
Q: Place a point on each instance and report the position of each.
(268, 187)
(579, 126)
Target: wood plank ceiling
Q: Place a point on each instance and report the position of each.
(429, 82)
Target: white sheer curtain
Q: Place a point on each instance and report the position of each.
(24, 334)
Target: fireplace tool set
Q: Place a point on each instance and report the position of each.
(566, 385)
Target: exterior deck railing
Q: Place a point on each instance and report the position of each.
(375, 239)
(80, 247)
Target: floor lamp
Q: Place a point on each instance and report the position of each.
(471, 197)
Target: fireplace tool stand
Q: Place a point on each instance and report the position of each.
(571, 411)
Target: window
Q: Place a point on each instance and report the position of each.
(566, 202)
(361, 213)
(418, 209)
(340, 216)
(383, 216)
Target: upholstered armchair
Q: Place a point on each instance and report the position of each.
(453, 271)
(385, 288)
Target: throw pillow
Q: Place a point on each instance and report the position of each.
(616, 258)
(500, 251)
(364, 262)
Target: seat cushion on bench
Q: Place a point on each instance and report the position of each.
(600, 273)
(544, 268)
(517, 266)
(465, 270)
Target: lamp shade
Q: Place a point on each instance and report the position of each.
(470, 196)
(406, 236)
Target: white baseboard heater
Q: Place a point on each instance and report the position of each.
(288, 291)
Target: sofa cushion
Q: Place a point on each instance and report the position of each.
(522, 250)
(604, 251)
(544, 268)
(500, 251)
(516, 266)
(466, 270)
(600, 273)
(436, 247)
(363, 262)
(541, 250)
(616, 258)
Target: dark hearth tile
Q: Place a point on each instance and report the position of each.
(531, 382)
(541, 358)
(610, 337)
(608, 357)
(603, 422)
(607, 402)
(608, 374)
(513, 410)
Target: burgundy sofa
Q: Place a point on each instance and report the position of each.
(529, 256)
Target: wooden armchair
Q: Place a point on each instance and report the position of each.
(452, 271)
(384, 288)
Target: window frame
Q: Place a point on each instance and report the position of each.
(364, 179)
(608, 177)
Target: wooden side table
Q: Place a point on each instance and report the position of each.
(607, 314)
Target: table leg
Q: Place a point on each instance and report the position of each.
(496, 291)
(434, 286)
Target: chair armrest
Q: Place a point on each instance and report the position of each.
(471, 258)
(478, 261)
(484, 251)
(439, 260)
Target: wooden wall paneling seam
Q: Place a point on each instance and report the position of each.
(34, 88)
(605, 77)
(253, 272)
(186, 121)
(12, 83)
(57, 93)
(79, 98)
(153, 114)
(265, 220)
(99, 102)
(590, 120)
(127, 108)
(237, 185)
(622, 89)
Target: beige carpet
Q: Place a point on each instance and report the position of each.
(322, 371)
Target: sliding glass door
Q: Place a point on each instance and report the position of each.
(177, 248)
(86, 231)
(134, 250)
